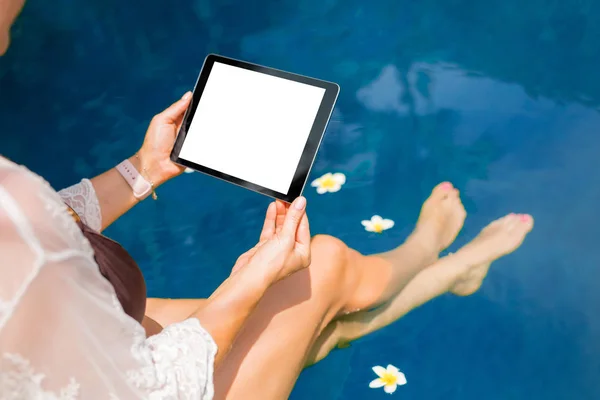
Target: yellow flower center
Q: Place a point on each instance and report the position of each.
(377, 227)
(328, 183)
(388, 378)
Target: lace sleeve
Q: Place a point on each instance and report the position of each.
(82, 198)
(63, 334)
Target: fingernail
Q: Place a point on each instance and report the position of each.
(525, 217)
(446, 185)
(186, 96)
(300, 203)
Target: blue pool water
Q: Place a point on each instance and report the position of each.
(500, 97)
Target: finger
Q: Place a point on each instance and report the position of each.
(303, 233)
(268, 229)
(303, 241)
(294, 215)
(281, 212)
(175, 113)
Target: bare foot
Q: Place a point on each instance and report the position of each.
(442, 217)
(498, 239)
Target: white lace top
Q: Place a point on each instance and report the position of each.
(63, 335)
(83, 200)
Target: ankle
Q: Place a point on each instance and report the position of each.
(422, 245)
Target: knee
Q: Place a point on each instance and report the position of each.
(330, 256)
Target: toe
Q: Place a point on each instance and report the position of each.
(526, 222)
(513, 221)
(441, 190)
(503, 223)
(507, 220)
(500, 223)
(457, 203)
(454, 193)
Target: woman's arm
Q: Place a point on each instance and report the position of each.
(284, 248)
(114, 196)
(226, 311)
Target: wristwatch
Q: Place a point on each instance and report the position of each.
(140, 186)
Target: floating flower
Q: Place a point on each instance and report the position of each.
(188, 170)
(329, 182)
(377, 224)
(389, 378)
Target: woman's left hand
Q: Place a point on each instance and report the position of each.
(154, 156)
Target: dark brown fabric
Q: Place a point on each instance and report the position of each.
(121, 270)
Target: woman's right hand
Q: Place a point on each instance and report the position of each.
(284, 248)
(284, 244)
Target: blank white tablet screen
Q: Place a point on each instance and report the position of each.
(252, 126)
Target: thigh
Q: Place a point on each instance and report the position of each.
(168, 311)
(270, 352)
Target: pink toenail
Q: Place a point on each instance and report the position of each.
(446, 186)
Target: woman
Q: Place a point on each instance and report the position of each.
(73, 307)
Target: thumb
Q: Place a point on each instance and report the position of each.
(176, 111)
(293, 217)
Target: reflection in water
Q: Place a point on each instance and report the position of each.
(385, 93)
(501, 97)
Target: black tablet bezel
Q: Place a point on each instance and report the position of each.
(312, 144)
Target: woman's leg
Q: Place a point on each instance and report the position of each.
(438, 224)
(168, 311)
(270, 352)
(461, 273)
(163, 312)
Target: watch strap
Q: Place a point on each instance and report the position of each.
(140, 186)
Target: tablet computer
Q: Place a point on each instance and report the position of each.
(254, 126)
